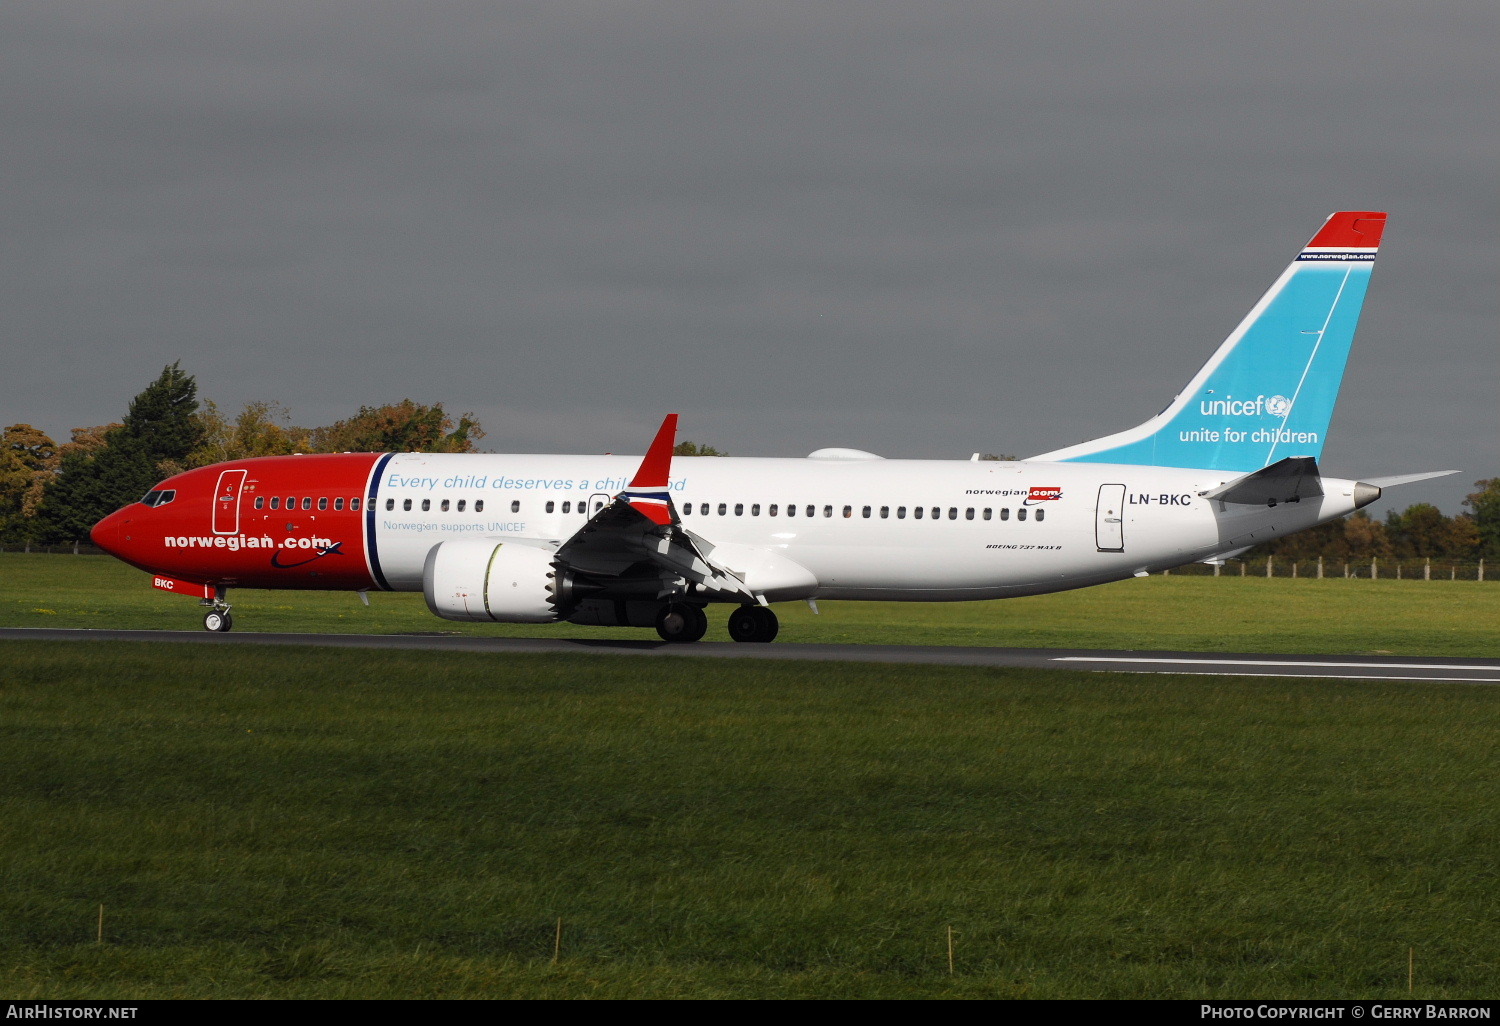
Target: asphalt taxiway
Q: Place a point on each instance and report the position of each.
(1336, 667)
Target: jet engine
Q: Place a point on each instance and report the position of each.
(494, 581)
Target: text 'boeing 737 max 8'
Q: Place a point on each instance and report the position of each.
(614, 540)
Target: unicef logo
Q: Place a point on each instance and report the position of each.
(1278, 405)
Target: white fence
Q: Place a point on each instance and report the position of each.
(1367, 569)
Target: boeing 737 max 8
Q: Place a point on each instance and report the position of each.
(1231, 462)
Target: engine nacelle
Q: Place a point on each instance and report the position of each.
(491, 581)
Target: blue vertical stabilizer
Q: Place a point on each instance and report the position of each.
(1269, 391)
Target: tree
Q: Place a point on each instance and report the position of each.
(399, 427)
(158, 437)
(1365, 536)
(1423, 532)
(686, 448)
(1417, 532)
(261, 429)
(28, 460)
(1485, 507)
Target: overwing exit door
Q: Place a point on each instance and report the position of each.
(227, 502)
(1109, 519)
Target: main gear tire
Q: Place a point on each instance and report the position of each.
(755, 624)
(681, 623)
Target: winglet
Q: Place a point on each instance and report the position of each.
(647, 493)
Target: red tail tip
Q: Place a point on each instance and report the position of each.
(1351, 229)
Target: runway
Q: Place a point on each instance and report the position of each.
(1337, 667)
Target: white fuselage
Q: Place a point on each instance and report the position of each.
(987, 529)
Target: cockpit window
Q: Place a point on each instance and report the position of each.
(159, 496)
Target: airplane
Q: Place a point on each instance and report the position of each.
(1231, 462)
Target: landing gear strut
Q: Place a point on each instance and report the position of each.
(681, 622)
(217, 618)
(753, 623)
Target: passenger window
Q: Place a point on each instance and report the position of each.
(551, 506)
(1040, 514)
(900, 512)
(426, 505)
(828, 511)
(885, 512)
(406, 505)
(444, 507)
(390, 504)
(723, 509)
(772, 511)
(739, 509)
(461, 504)
(568, 506)
(969, 513)
(291, 503)
(260, 502)
(791, 510)
(937, 513)
(354, 504)
(917, 512)
(952, 512)
(865, 512)
(322, 503)
(987, 512)
(338, 503)
(687, 510)
(479, 505)
(703, 510)
(275, 502)
(755, 510)
(1005, 513)
(307, 502)
(848, 512)
(1021, 513)
(515, 506)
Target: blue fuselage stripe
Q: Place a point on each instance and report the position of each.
(370, 502)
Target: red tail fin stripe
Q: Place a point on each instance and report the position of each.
(1350, 229)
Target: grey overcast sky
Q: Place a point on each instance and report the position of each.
(923, 229)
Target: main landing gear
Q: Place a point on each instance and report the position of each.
(682, 622)
(753, 623)
(217, 618)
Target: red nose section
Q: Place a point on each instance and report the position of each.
(106, 533)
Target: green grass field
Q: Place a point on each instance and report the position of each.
(1228, 614)
(275, 822)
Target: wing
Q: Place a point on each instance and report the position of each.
(637, 543)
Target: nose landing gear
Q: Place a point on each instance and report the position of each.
(217, 618)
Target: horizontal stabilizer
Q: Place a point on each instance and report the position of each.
(1290, 480)
(1401, 479)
